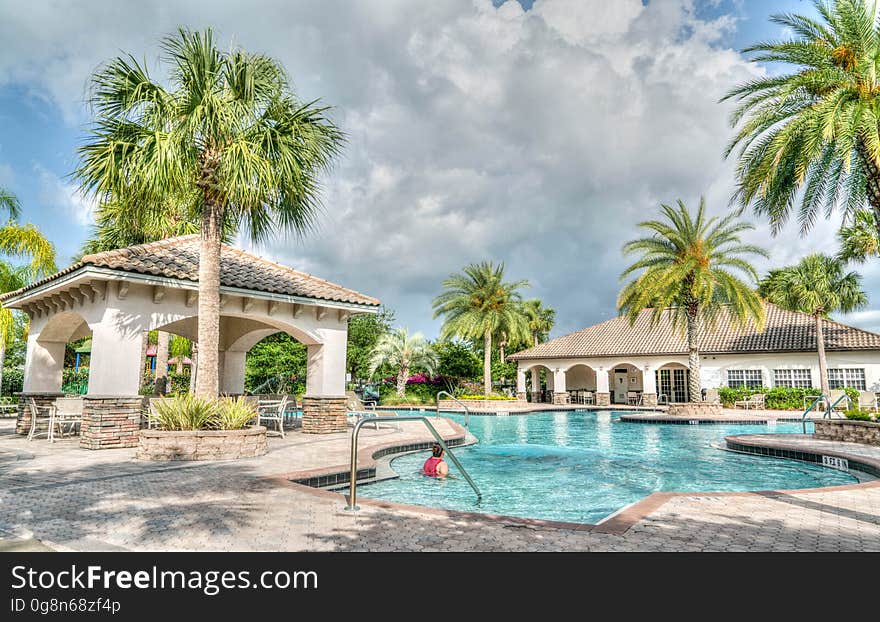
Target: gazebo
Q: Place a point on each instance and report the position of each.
(117, 296)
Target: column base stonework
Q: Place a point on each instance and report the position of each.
(521, 396)
(603, 399)
(110, 422)
(23, 420)
(649, 399)
(324, 415)
(560, 398)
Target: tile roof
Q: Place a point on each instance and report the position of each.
(785, 331)
(178, 258)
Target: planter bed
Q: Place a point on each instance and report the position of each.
(847, 430)
(202, 444)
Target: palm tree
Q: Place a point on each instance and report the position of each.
(817, 286)
(228, 130)
(814, 128)
(23, 241)
(688, 267)
(403, 352)
(179, 348)
(477, 303)
(859, 239)
(541, 319)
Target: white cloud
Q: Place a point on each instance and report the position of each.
(63, 196)
(538, 138)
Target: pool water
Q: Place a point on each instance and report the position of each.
(582, 466)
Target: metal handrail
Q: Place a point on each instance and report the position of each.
(812, 405)
(829, 407)
(352, 495)
(467, 412)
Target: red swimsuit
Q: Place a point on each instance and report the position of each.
(430, 467)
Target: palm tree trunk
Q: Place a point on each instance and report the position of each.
(402, 377)
(192, 368)
(178, 369)
(823, 364)
(208, 375)
(487, 363)
(162, 354)
(872, 181)
(694, 384)
(2, 360)
(145, 342)
(535, 335)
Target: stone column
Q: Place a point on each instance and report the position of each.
(232, 380)
(603, 395)
(520, 384)
(649, 387)
(110, 421)
(560, 395)
(23, 420)
(324, 403)
(536, 384)
(43, 365)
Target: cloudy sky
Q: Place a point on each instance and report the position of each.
(533, 133)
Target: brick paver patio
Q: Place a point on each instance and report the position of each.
(71, 499)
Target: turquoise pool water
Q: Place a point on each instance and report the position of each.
(582, 466)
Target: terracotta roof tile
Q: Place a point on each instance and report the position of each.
(785, 331)
(178, 258)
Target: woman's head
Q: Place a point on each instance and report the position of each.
(436, 450)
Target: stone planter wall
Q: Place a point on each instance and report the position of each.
(848, 431)
(603, 399)
(110, 422)
(324, 415)
(202, 444)
(695, 409)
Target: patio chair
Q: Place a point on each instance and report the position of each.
(37, 416)
(835, 400)
(712, 396)
(68, 413)
(359, 410)
(756, 400)
(272, 412)
(867, 400)
(633, 398)
(290, 412)
(587, 397)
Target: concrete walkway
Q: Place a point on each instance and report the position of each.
(71, 499)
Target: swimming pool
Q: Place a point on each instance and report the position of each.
(581, 466)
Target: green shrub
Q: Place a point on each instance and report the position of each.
(234, 413)
(186, 412)
(777, 398)
(392, 399)
(485, 397)
(858, 415)
(13, 380)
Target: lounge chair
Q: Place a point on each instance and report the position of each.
(633, 398)
(867, 400)
(756, 401)
(358, 410)
(38, 419)
(837, 401)
(712, 396)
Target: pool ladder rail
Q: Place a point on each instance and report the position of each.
(352, 495)
(828, 409)
(467, 411)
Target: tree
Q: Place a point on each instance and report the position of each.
(404, 352)
(686, 267)
(179, 348)
(25, 242)
(540, 318)
(815, 128)
(228, 130)
(859, 239)
(364, 332)
(457, 359)
(277, 358)
(817, 286)
(478, 303)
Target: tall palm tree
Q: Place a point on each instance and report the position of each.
(814, 128)
(403, 352)
(24, 242)
(818, 286)
(540, 318)
(688, 266)
(477, 303)
(228, 129)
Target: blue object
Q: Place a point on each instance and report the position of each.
(583, 466)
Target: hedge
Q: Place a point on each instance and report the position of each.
(777, 398)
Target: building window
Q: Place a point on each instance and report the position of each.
(840, 377)
(745, 378)
(797, 378)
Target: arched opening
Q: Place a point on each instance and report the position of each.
(626, 384)
(276, 364)
(672, 383)
(580, 382)
(539, 384)
(58, 355)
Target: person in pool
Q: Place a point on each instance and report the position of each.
(435, 466)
